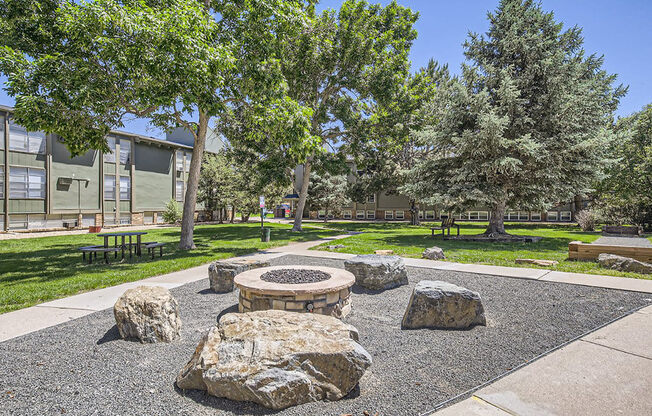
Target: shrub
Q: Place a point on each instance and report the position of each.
(586, 220)
(172, 213)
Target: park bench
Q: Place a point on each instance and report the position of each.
(93, 250)
(152, 246)
(446, 224)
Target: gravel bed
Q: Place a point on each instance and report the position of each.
(83, 368)
(624, 241)
(295, 276)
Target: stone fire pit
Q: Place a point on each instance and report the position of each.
(323, 290)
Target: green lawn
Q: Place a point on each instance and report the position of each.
(410, 241)
(36, 270)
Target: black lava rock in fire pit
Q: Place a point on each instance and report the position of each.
(295, 276)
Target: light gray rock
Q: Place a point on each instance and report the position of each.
(148, 314)
(377, 272)
(433, 253)
(335, 246)
(436, 304)
(221, 273)
(625, 264)
(277, 359)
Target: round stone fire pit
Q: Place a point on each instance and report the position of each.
(314, 289)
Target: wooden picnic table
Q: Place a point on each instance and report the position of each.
(122, 245)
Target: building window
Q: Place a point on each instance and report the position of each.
(552, 215)
(18, 222)
(109, 187)
(359, 215)
(371, 199)
(460, 216)
(321, 214)
(179, 191)
(371, 215)
(2, 142)
(125, 219)
(420, 214)
(535, 216)
(516, 216)
(2, 183)
(179, 162)
(400, 215)
(125, 151)
(346, 214)
(26, 183)
(110, 155)
(523, 216)
(125, 188)
(389, 215)
(188, 160)
(565, 216)
(474, 215)
(483, 215)
(430, 215)
(21, 140)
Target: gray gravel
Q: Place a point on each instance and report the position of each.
(82, 368)
(295, 276)
(624, 241)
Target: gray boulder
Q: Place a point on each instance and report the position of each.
(625, 264)
(436, 304)
(222, 272)
(277, 359)
(377, 272)
(148, 314)
(433, 253)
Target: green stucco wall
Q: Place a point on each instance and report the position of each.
(152, 180)
(26, 159)
(69, 198)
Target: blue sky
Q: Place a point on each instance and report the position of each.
(619, 30)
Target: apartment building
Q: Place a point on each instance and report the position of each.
(43, 187)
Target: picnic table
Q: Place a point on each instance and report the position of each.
(122, 245)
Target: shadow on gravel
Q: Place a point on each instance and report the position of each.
(230, 309)
(235, 407)
(111, 335)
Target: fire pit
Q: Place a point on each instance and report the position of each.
(323, 290)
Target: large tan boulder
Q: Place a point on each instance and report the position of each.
(148, 314)
(436, 304)
(277, 359)
(222, 272)
(624, 264)
(377, 272)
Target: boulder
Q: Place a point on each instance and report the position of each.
(148, 314)
(221, 273)
(537, 262)
(436, 304)
(277, 359)
(625, 264)
(433, 253)
(377, 272)
(384, 252)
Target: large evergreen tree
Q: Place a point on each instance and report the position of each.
(525, 126)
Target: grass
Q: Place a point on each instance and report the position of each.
(410, 241)
(36, 270)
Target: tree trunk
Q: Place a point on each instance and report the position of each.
(303, 195)
(232, 214)
(414, 213)
(577, 206)
(496, 220)
(190, 203)
(222, 215)
(245, 217)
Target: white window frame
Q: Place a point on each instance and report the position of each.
(565, 216)
(535, 216)
(109, 187)
(473, 215)
(125, 219)
(110, 155)
(125, 188)
(523, 216)
(27, 189)
(399, 215)
(321, 214)
(2, 182)
(179, 160)
(371, 199)
(178, 197)
(553, 216)
(125, 151)
(187, 159)
(32, 142)
(359, 214)
(430, 215)
(371, 214)
(389, 215)
(346, 214)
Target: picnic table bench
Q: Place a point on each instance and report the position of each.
(151, 247)
(93, 250)
(446, 224)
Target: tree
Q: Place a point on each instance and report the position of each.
(625, 193)
(340, 64)
(217, 183)
(526, 124)
(329, 191)
(175, 62)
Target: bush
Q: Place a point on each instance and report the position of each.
(172, 213)
(586, 220)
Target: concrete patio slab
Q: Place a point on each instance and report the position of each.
(579, 379)
(609, 282)
(23, 321)
(473, 406)
(632, 334)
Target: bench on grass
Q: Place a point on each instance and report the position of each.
(446, 224)
(151, 247)
(93, 250)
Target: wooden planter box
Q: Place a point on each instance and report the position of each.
(94, 228)
(581, 251)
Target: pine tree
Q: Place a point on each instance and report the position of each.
(525, 126)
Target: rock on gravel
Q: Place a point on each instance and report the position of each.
(436, 304)
(221, 273)
(148, 314)
(433, 253)
(277, 359)
(295, 276)
(377, 272)
(624, 264)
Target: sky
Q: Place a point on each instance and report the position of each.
(619, 30)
